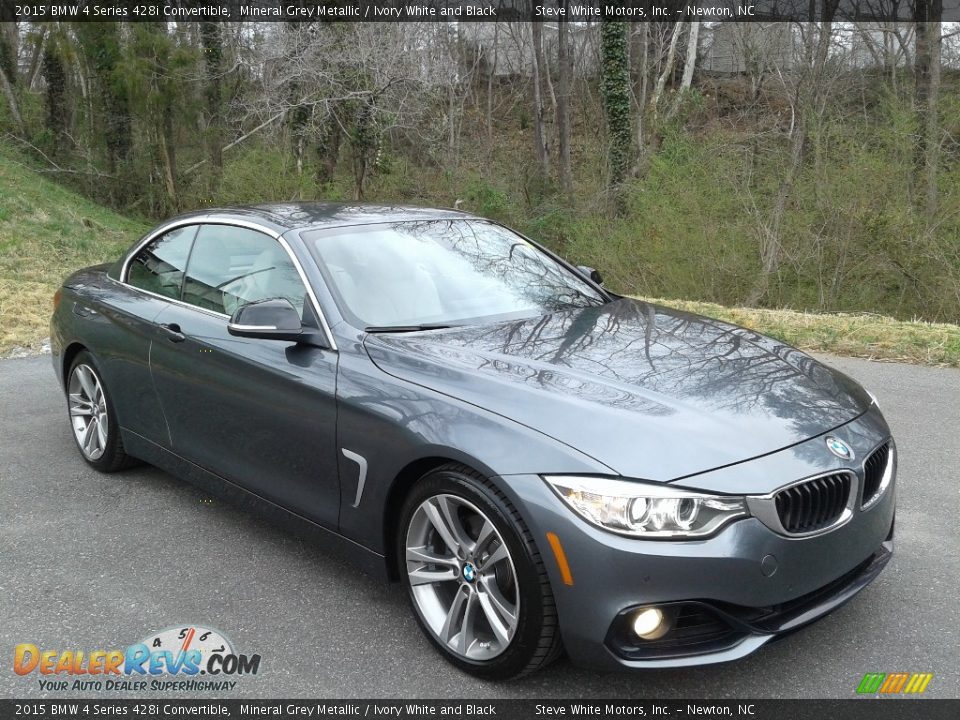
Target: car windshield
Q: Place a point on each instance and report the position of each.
(440, 273)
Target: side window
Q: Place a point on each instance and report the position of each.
(232, 266)
(159, 267)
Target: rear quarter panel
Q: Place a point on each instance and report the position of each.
(115, 324)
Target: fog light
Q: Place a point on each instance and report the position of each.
(650, 623)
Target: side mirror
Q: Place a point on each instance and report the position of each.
(274, 319)
(591, 273)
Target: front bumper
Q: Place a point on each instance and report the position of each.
(751, 583)
(709, 632)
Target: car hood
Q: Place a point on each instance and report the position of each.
(650, 392)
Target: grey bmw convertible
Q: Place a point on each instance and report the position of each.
(544, 466)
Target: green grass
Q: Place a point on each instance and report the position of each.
(47, 231)
(863, 335)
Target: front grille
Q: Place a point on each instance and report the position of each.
(873, 470)
(813, 505)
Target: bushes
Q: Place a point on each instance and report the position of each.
(853, 238)
(852, 235)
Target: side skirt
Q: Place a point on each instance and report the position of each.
(370, 562)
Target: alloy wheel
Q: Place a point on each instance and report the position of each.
(88, 411)
(462, 577)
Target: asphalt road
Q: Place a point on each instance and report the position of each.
(90, 561)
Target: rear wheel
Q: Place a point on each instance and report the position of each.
(474, 576)
(92, 416)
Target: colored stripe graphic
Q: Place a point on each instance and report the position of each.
(894, 683)
(870, 683)
(918, 682)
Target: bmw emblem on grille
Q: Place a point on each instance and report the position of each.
(469, 572)
(839, 448)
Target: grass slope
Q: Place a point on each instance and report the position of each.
(863, 335)
(46, 232)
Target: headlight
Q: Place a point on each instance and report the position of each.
(644, 510)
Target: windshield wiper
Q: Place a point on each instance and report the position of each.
(404, 328)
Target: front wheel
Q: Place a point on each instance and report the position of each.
(92, 416)
(475, 577)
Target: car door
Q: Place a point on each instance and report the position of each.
(260, 413)
(153, 277)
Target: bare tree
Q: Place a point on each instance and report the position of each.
(888, 44)
(639, 71)
(539, 131)
(492, 56)
(807, 91)
(667, 70)
(10, 94)
(564, 78)
(9, 42)
(212, 46)
(369, 79)
(9, 37)
(653, 57)
(928, 14)
(690, 63)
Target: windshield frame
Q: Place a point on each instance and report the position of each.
(310, 236)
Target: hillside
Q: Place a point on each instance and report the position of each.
(46, 232)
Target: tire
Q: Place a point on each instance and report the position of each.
(482, 596)
(92, 417)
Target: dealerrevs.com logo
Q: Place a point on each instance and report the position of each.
(186, 658)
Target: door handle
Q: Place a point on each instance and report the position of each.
(174, 334)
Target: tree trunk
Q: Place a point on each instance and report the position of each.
(365, 142)
(539, 133)
(545, 73)
(932, 129)
(9, 42)
(927, 14)
(11, 97)
(771, 244)
(491, 74)
(298, 154)
(615, 91)
(56, 94)
(168, 158)
(33, 67)
(667, 69)
(452, 123)
(299, 114)
(640, 72)
(564, 78)
(690, 62)
(359, 176)
(101, 44)
(212, 43)
(328, 150)
(805, 102)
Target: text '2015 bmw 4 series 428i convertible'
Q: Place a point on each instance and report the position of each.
(544, 465)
